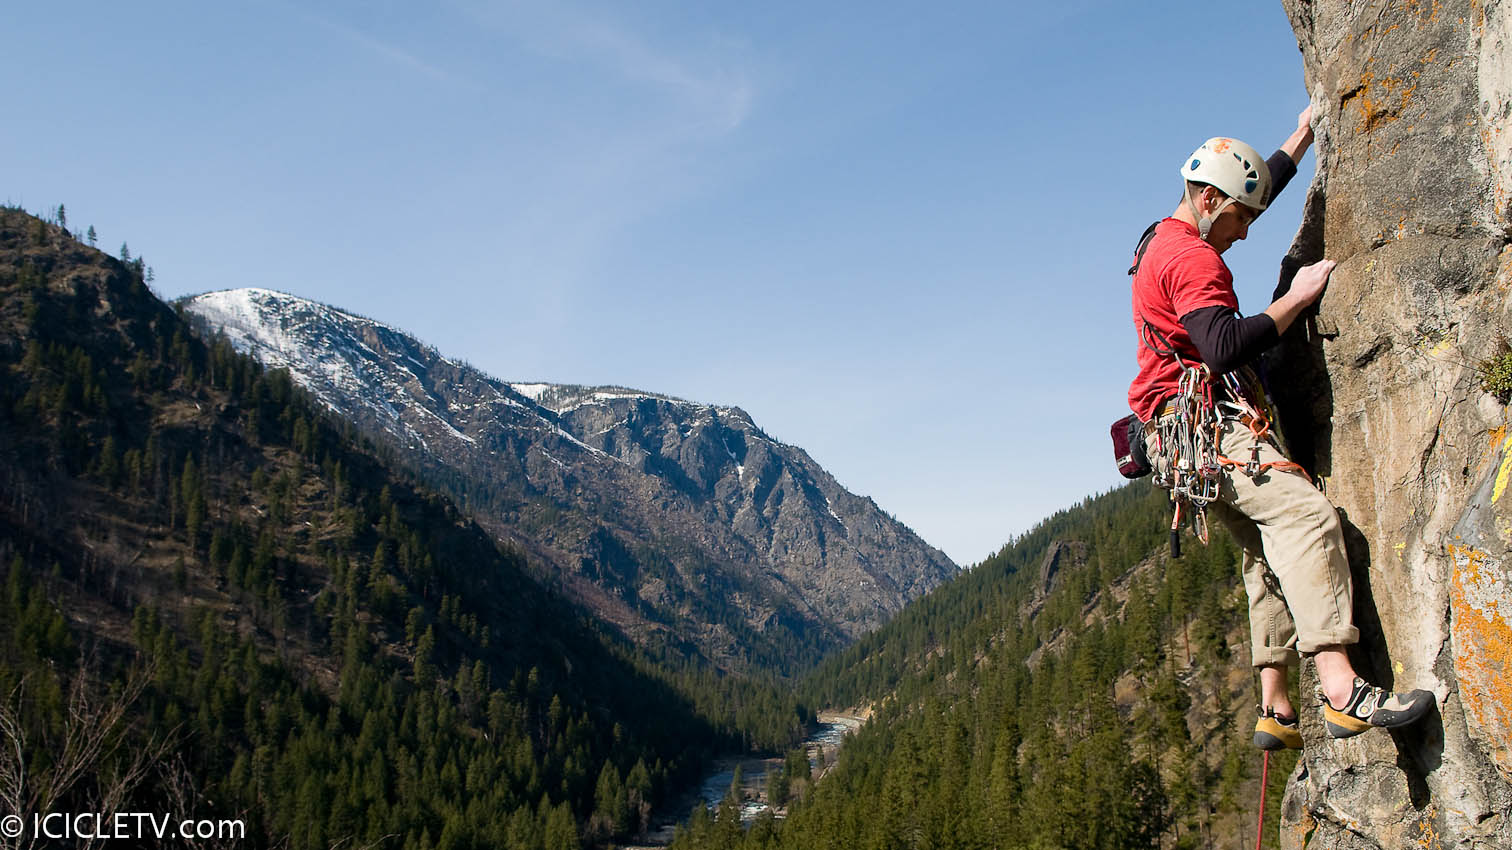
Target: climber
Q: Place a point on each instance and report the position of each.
(1186, 314)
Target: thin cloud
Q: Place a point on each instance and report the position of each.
(725, 96)
(719, 95)
(389, 52)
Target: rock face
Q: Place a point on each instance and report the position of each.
(684, 524)
(1412, 103)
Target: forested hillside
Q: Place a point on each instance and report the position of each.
(249, 614)
(1073, 691)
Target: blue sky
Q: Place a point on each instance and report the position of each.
(895, 233)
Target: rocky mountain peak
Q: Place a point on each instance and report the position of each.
(681, 522)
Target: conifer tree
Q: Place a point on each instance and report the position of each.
(727, 829)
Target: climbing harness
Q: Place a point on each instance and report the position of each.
(1189, 438)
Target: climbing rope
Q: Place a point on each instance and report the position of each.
(1264, 782)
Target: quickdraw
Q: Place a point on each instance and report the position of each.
(1186, 431)
(1189, 432)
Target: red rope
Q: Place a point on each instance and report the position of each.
(1264, 780)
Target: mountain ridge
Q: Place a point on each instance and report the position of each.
(684, 523)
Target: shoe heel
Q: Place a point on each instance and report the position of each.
(1341, 725)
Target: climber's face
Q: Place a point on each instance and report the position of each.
(1231, 226)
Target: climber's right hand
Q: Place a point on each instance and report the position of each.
(1307, 287)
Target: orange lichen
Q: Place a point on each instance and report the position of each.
(1496, 435)
(1480, 601)
(1302, 830)
(1428, 836)
(1381, 99)
(1433, 10)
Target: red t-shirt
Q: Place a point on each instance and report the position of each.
(1179, 273)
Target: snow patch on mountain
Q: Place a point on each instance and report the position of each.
(324, 349)
(531, 391)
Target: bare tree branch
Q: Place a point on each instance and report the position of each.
(93, 734)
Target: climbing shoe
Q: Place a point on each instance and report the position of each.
(1371, 706)
(1274, 732)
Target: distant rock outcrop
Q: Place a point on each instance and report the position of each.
(684, 524)
(1413, 107)
(1050, 566)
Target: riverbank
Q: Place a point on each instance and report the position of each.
(822, 747)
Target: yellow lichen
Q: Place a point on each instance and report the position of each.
(1501, 478)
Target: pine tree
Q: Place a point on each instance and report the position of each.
(424, 650)
(638, 789)
(611, 803)
(561, 831)
(727, 829)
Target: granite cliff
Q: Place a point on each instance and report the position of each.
(1412, 104)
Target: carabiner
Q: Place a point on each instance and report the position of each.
(1253, 468)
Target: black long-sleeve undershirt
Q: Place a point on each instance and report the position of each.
(1223, 339)
(1282, 170)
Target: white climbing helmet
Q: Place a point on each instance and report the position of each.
(1233, 168)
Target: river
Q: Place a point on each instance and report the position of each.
(823, 746)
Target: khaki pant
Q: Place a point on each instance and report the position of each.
(1295, 570)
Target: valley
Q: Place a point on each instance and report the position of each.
(821, 749)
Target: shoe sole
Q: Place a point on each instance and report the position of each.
(1267, 741)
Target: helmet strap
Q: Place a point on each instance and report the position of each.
(1205, 222)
